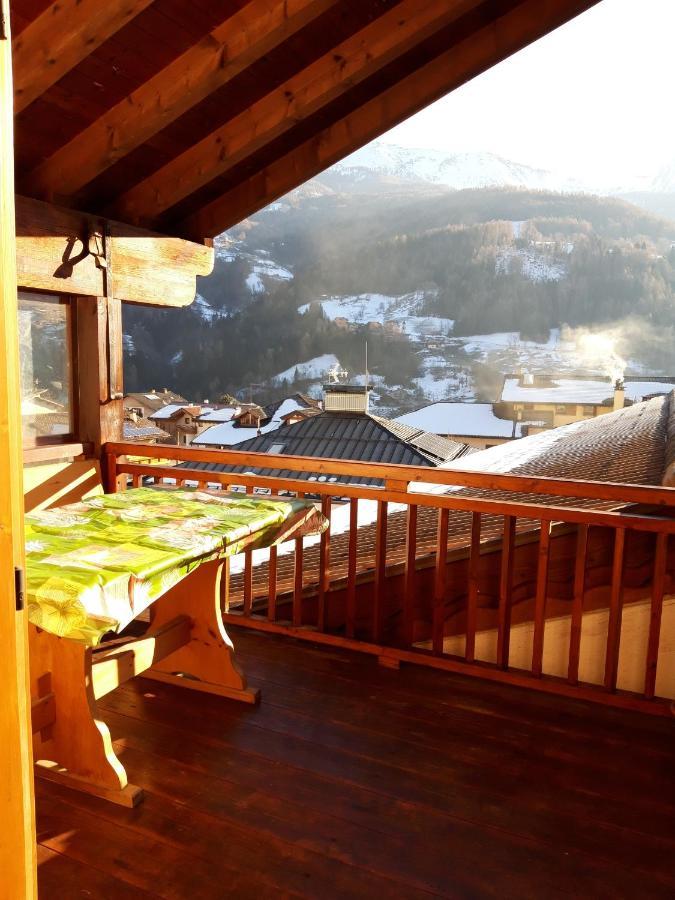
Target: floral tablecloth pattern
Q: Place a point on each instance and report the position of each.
(93, 566)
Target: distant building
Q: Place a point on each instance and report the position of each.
(551, 401)
(474, 424)
(179, 421)
(145, 403)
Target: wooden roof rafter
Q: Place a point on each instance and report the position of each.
(248, 98)
(61, 37)
(354, 60)
(237, 42)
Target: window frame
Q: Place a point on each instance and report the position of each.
(69, 301)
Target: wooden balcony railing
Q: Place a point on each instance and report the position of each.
(542, 582)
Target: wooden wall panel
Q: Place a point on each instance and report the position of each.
(56, 252)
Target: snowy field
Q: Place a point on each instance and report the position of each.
(310, 369)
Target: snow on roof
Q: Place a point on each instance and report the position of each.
(461, 420)
(579, 390)
(227, 434)
(166, 411)
(639, 390)
(219, 415)
(559, 390)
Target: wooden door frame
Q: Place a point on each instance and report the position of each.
(17, 835)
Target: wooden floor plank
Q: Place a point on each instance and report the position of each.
(350, 780)
(61, 876)
(492, 721)
(438, 826)
(534, 811)
(524, 705)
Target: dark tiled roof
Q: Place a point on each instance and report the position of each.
(347, 436)
(142, 430)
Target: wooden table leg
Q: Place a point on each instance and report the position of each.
(75, 749)
(207, 663)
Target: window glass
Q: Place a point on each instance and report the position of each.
(46, 369)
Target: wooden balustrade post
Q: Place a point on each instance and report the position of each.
(350, 624)
(440, 583)
(540, 598)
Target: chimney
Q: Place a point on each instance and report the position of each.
(351, 398)
(619, 395)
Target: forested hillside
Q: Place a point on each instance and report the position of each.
(443, 268)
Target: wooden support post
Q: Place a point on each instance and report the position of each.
(17, 844)
(100, 366)
(76, 750)
(206, 663)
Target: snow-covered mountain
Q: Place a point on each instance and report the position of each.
(380, 161)
(380, 164)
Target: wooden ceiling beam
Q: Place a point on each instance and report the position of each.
(235, 44)
(524, 23)
(353, 61)
(60, 38)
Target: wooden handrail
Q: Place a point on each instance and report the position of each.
(387, 472)
(550, 512)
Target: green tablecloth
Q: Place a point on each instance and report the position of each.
(92, 567)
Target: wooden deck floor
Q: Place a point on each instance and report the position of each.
(351, 780)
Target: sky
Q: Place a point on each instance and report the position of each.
(593, 99)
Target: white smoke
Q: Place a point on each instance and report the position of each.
(612, 349)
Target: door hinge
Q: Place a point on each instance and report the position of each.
(19, 588)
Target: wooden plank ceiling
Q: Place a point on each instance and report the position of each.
(185, 117)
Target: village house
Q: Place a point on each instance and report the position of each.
(180, 421)
(530, 403)
(474, 424)
(146, 403)
(552, 400)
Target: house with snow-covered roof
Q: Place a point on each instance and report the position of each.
(249, 420)
(549, 401)
(475, 424)
(145, 403)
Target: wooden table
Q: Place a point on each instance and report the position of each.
(81, 564)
